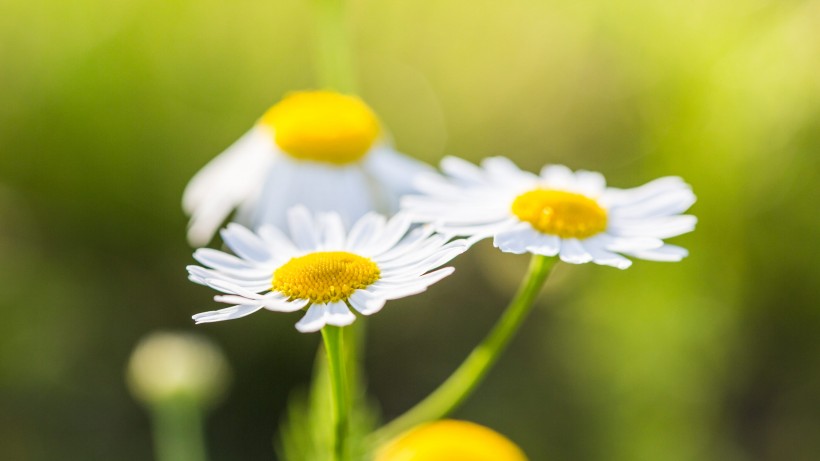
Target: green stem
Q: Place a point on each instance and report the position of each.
(334, 347)
(334, 60)
(458, 387)
(178, 430)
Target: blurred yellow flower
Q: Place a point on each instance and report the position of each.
(321, 149)
(451, 440)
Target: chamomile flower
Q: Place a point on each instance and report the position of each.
(559, 212)
(322, 268)
(322, 149)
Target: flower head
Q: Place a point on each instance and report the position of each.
(167, 365)
(323, 149)
(451, 440)
(559, 212)
(322, 268)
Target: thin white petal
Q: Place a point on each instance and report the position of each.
(393, 232)
(332, 231)
(558, 176)
(365, 302)
(517, 239)
(338, 314)
(364, 230)
(462, 170)
(303, 229)
(573, 252)
(313, 320)
(666, 253)
(229, 313)
(245, 243)
(604, 257)
(278, 304)
(229, 179)
(661, 228)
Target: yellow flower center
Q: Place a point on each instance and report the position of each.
(451, 440)
(322, 126)
(326, 276)
(565, 214)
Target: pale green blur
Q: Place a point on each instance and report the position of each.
(107, 108)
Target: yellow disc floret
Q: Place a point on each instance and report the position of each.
(451, 440)
(565, 214)
(322, 126)
(326, 276)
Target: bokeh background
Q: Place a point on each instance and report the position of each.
(107, 108)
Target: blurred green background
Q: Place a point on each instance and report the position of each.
(107, 108)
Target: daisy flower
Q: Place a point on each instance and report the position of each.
(322, 268)
(559, 212)
(318, 148)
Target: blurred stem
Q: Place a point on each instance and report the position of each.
(334, 347)
(458, 387)
(334, 60)
(178, 430)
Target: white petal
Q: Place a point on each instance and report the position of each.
(332, 231)
(230, 288)
(545, 245)
(220, 260)
(303, 229)
(573, 252)
(365, 302)
(590, 183)
(390, 290)
(229, 179)
(604, 257)
(666, 253)
(660, 186)
(318, 186)
(409, 243)
(502, 170)
(623, 244)
(517, 239)
(558, 176)
(245, 243)
(339, 315)
(279, 304)
(313, 320)
(393, 232)
(661, 228)
(462, 170)
(281, 246)
(666, 204)
(229, 313)
(252, 283)
(364, 230)
(439, 257)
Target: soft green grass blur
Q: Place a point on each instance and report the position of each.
(107, 108)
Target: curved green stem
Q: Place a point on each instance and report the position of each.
(458, 387)
(334, 347)
(334, 60)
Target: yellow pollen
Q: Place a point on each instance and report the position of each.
(322, 126)
(326, 276)
(565, 214)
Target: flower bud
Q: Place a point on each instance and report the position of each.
(168, 365)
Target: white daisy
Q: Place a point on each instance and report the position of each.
(322, 268)
(573, 215)
(318, 148)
